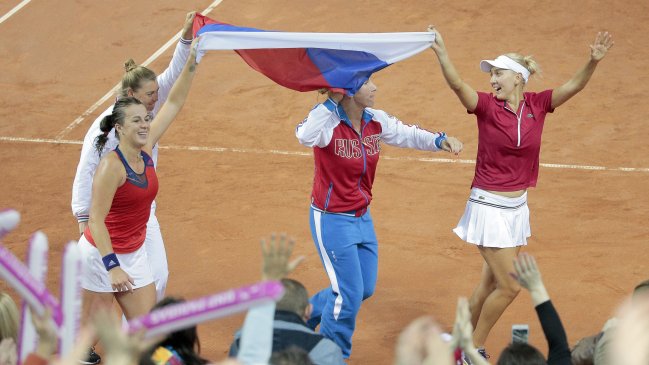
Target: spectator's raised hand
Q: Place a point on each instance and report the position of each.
(420, 343)
(85, 339)
(120, 348)
(8, 355)
(463, 333)
(48, 338)
(529, 277)
(276, 255)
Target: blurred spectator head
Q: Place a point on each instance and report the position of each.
(295, 299)
(521, 353)
(584, 351)
(184, 342)
(641, 290)
(8, 318)
(291, 356)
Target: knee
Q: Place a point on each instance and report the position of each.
(510, 290)
(368, 292)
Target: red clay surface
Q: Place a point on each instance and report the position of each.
(589, 227)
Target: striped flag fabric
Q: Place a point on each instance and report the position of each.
(341, 62)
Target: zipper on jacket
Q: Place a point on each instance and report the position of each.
(331, 187)
(360, 140)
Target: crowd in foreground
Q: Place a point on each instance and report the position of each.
(276, 332)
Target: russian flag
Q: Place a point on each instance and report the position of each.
(311, 61)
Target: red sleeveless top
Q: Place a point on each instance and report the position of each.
(129, 213)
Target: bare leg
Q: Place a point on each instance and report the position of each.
(486, 286)
(500, 261)
(137, 303)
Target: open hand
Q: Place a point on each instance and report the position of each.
(603, 42)
(276, 257)
(527, 273)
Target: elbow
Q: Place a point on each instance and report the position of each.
(302, 137)
(456, 85)
(306, 141)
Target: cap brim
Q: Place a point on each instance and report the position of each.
(487, 65)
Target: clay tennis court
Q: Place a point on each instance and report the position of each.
(231, 170)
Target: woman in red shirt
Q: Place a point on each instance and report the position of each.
(124, 185)
(510, 122)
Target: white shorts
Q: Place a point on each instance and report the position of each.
(492, 220)
(95, 277)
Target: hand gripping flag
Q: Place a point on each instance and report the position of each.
(311, 61)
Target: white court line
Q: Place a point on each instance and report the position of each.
(112, 91)
(14, 10)
(308, 154)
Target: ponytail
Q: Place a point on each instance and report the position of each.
(106, 125)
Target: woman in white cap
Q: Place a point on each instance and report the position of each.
(510, 122)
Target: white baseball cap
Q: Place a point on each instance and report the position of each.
(505, 63)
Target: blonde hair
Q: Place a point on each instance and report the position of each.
(526, 61)
(134, 76)
(8, 318)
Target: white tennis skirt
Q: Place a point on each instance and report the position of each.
(95, 277)
(492, 220)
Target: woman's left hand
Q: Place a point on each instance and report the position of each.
(452, 144)
(603, 42)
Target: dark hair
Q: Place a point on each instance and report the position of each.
(184, 342)
(584, 351)
(116, 117)
(641, 287)
(295, 298)
(292, 355)
(134, 76)
(521, 353)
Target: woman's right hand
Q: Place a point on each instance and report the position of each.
(188, 25)
(120, 280)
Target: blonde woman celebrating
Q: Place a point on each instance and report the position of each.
(510, 122)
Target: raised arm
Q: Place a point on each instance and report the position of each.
(257, 332)
(168, 77)
(463, 333)
(603, 42)
(467, 95)
(528, 275)
(175, 101)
